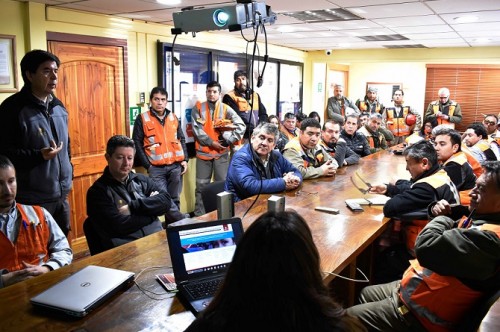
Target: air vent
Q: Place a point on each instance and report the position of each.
(383, 38)
(327, 15)
(406, 46)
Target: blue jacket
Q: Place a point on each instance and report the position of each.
(246, 175)
(27, 126)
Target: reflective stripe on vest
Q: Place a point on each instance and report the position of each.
(161, 144)
(318, 159)
(31, 244)
(398, 126)
(420, 287)
(461, 158)
(451, 109)
(220, 110)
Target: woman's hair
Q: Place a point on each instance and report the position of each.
(270, 117)
(274, 282)
(315, 115)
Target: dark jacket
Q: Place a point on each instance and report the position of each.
(107, 195)
(341, 152)
(27, 125)
(415, 195)
(472, 255)
(246, 116)
(357, 142)
(247, 176)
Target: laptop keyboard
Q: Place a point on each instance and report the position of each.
(203, 289)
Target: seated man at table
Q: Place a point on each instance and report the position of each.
(370, 130)
(31, 242)
(447, 143)
(124, 206)
(259, 169)
(335, 145)
(355, 140)
(457, 266)
(476, 141)
(428, 183)
(307, 155)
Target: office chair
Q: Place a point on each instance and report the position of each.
(209, 195)
(474, 318)
(93, 239)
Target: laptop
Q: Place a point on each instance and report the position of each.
(83, 291)
(201, 253)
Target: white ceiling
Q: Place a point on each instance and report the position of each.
(431, 23)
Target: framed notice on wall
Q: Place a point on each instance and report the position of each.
(8, 72)
(385, 91)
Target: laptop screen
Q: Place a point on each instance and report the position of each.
(203, 248)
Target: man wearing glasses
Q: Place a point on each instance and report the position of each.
(445, 111)
(490, 122)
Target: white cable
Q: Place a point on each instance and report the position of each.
(350, 279)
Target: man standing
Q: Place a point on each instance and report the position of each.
(447, 143)
(335, 145)
(444, 111)
(289, 128)
(456, 266)
(338, 106)
(397, 121)
(161, 148)
(124, 206)
(34, 136)
(307, 155)
(370, 104)
(247, 103)
(31, 242)
(216, 126)
(376, 139)
(257, 168)
(356, 141)
(476, 141)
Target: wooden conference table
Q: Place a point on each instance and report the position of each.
(339, 238)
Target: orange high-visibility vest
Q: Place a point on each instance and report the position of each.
(32, 241)
(161, 144)
(451, 110)
(398, 126)
(207, 152)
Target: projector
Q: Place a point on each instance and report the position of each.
(235, 17)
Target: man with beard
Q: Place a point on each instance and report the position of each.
(376, 139)
(444, 111)
(370, 104)
(338, 106)
(306, 155)
(247, 103)
(257, 168)
(335, 145)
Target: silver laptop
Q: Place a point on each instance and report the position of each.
(201, 253)
(83, 291)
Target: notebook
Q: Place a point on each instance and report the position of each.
(83, 291)
(201, 253)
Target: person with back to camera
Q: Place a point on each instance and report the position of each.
(274, 283)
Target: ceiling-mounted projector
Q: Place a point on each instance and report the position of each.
(235, 17)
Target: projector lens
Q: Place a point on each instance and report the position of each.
(220, 18)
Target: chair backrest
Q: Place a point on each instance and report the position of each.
(209, 195)
(93, 239)
(474, 318)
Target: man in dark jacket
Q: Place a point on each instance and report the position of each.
(355, 140)
(124, 206)
(258, 168)
(34, 136)
(457, 265)
(335, 145)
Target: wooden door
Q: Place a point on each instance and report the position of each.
(91, 86)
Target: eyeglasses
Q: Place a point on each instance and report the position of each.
(368, 184)
(489, 123)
